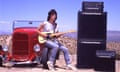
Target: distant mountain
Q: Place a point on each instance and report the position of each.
(72, 35)
(111, 36)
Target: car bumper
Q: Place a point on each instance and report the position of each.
(10, 64)
(26, 62)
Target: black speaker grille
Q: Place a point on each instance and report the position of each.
(91, 26)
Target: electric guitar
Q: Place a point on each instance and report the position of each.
(52, 35)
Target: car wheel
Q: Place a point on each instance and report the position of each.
(0, 61)
(0, 57)
(0, 47)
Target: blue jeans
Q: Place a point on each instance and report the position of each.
(55, 46)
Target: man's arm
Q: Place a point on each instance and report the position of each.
(39, 30)
(58, 34)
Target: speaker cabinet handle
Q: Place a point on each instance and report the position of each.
(86, 13)
(89, 42)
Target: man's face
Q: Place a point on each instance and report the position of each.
(53, 17)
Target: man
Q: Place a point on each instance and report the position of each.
(51, 39)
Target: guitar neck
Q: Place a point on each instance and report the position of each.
(64, 32)
(60, 33)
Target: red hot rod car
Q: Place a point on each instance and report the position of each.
(25, 46)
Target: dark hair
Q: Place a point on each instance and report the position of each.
(50, 13)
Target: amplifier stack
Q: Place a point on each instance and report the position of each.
(92, 27)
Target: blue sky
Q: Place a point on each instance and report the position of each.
(67, 12)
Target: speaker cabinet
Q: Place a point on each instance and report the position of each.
(105, 61)
(92, 25)
(86, 53)
(91, 37)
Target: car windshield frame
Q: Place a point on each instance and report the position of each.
(26, 23)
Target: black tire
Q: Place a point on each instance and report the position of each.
(0, 57)
(0, 62)
(0, 48)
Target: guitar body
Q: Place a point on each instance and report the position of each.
(41, 39)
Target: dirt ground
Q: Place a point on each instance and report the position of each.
(60, 63)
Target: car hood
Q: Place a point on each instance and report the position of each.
(25, 30)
